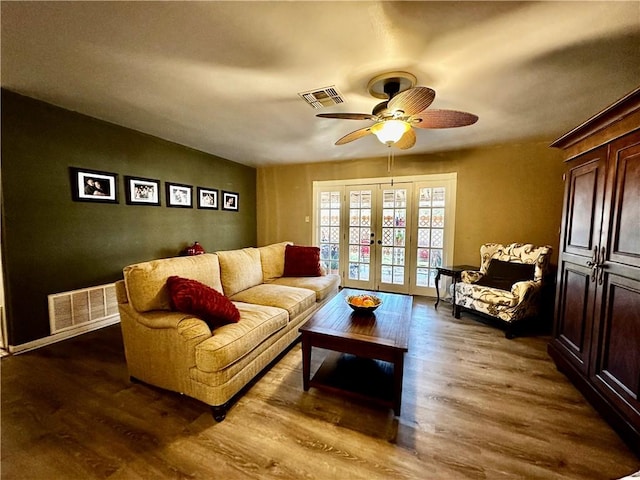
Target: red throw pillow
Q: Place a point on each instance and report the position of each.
(301, 261)
(195, 298)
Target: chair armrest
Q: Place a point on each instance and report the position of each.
(525, 289)
(470, 276)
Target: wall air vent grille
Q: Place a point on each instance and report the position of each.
(322, 97)
(78, 309)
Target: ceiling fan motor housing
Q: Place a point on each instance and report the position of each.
(391, 88)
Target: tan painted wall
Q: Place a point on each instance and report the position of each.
(508, 193)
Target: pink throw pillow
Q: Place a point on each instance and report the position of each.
(301, 261)
(195, 298)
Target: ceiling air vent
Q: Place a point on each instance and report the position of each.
(322, 97)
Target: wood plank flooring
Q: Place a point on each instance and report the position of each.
(475, 406)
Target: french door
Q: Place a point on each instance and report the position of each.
(386, 236)
(377, 237)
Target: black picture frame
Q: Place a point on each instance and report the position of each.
(93, 186)
(179, 195)
(207, 198)
(142, 191)
(230, 201)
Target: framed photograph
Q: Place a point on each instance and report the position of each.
(208, 198)
(230, 201)
(179, 195)
(142, 191)
(93, 185)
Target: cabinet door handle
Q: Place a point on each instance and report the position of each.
(593, 264)
(600, 266)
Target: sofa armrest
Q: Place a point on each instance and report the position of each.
(470, 276)
(159, 319)
(183, 324)
(160, 345)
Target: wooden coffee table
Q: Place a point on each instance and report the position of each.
(376, 341)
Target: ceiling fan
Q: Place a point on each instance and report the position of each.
(404, 108)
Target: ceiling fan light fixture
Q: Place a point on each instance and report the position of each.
(390, 131)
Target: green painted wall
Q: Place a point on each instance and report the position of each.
(52, 244)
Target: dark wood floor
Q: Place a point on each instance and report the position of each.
(475, 406)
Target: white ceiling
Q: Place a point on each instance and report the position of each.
(224, 77)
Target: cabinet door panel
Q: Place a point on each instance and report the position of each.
(617, 359)
(624, 232)
(583, 204)
(575, 314)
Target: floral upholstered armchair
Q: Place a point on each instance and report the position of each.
(509, 284)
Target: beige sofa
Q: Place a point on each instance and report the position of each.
(177, 351)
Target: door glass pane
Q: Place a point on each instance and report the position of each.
(422, 277)
(398, 256)
(424, 217)
(437, 237)
(438, 196)
(329, 231)
(387, 274)
(365, 217)
(398, 275)
(437, 217)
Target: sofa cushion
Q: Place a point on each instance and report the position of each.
(503, 275)
(293, 300)
(272, 259)
(191, 296)
(301, 261)
(323, 285)
(146, 283)
(233, 341)
(239, 269)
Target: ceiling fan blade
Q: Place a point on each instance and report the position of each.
(355, 135)
(348, 116)
(412, 101)
(442, 119)
(408, 140)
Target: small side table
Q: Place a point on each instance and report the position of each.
(455, 272)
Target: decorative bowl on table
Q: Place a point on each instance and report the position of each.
(364, 303)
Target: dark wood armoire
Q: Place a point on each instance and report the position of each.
(596, 337)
